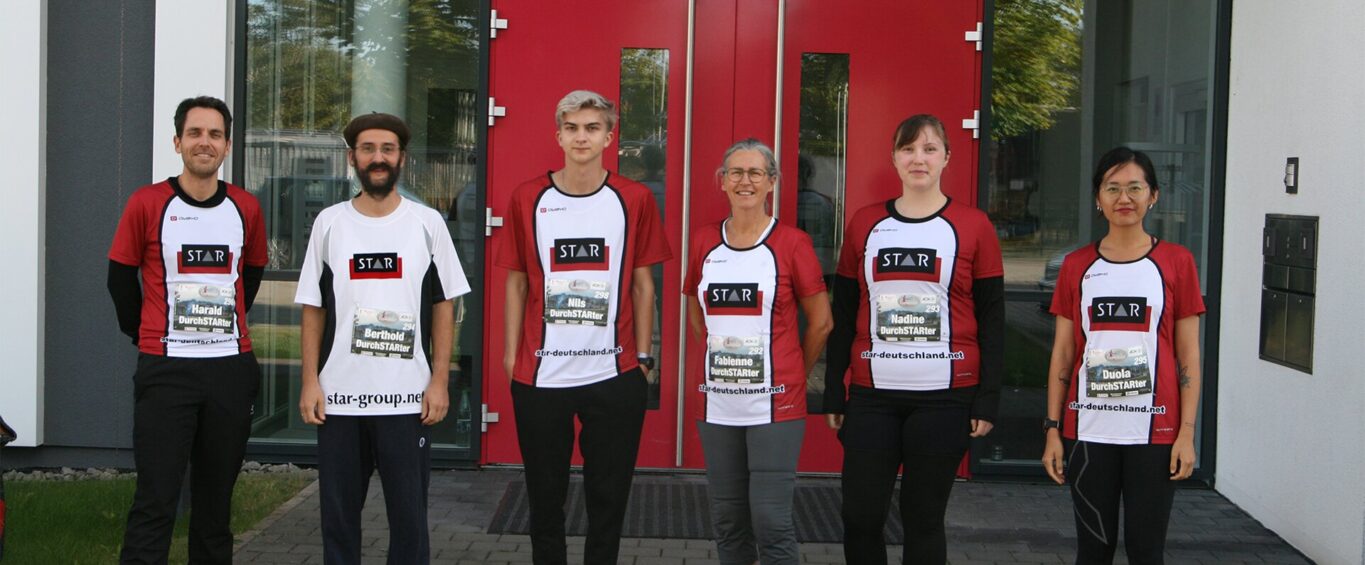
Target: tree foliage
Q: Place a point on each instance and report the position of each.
(1037, 51)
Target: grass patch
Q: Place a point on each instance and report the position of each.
(81, 522)
(273, 341)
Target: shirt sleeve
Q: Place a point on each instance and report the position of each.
(129, 241)
(987, 262)
(447, 261)
(1064, 294)
(511, 252)
(309, 291)
(808, 277)
(851, 253)
(651, 244)
(694, 264)
(254, 250)
(1189, 301)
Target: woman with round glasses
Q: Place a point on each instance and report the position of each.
(1123, 386)
(919, 325)
(747, 277)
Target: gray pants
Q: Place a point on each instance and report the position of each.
(751, 475)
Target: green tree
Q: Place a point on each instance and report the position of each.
(1037, 50)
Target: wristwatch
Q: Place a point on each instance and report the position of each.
(647, 362)
(1050, 424)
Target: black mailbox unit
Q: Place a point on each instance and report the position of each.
(1288, 284)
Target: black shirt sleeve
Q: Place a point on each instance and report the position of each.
(989, 297)
(838, 349)
(127, 295)
(251, 283)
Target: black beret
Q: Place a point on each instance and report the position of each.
(377, 120)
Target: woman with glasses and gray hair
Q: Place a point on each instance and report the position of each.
(748, 276)
(919, 329)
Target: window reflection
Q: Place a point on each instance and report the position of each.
(820, 173)
(1072, 79)
(312, 65)
(642, 151)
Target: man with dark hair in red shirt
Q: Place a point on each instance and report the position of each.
(199, 245)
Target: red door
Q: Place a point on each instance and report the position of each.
(848, 73)
(547, 50)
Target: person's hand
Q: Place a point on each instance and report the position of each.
(1052, 457)
(981, 427)
(435, 403)
(312, 404)
(509, 362)
(1182, 458)
(835, 421)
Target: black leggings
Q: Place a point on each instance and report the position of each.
(881, 434)
(1100, 475)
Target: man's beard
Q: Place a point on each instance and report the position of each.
(380, 190)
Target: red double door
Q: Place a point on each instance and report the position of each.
(825, 83)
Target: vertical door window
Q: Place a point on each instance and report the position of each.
(819, 181)
(642, 151)
(311, 66)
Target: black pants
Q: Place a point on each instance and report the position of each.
(1100, 475)
(196, 411)
(611, 413)
(350, 448)
(928, 437)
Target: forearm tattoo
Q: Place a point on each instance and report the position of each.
(1183, 374)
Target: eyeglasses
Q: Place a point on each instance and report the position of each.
(755, 175)
(1133, 190)
(367, 149)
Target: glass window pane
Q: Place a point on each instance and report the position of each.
(820, 169)
(642, 151)
(1071, 80)
(312, 65)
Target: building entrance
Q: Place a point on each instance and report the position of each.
(823, 83)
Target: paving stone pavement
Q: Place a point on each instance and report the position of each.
(987, 523)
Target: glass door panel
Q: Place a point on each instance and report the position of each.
(310, 67)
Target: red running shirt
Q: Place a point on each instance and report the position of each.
(916, 325)
(579, 254)
(750, 369)
(1124, 388)
(191, 256)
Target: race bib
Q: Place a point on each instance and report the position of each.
(204, 308)
(383, 333)
(1117, 372)
(577, 301)
(735, 360)
(908, 317)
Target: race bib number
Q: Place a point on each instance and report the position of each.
(204, 308)
(1117, 372)
(908, 317)
(735, 360)
(383, 333)
(577, 301)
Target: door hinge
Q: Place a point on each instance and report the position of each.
(495, 23)
(486, 417)
(495, 111)
(490, 221)
(974, 36)
(973, 124)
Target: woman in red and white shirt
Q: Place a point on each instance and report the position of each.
(1124, 378)
(747, 276)
(918, 328)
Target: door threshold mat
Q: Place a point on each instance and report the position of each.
(672, 508)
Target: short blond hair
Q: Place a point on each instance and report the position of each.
(584, 100)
